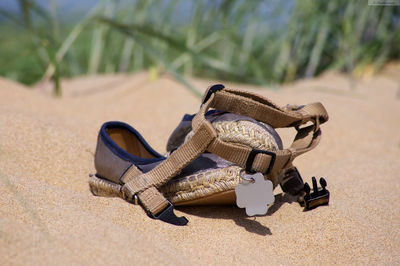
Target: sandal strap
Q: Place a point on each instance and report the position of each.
(205, 138)
(262, 109)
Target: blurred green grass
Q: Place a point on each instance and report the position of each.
(18, 56)
(231, 40)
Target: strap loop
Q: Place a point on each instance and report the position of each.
(212, 90)
(252, 156)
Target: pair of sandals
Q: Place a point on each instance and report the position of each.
(208, 154)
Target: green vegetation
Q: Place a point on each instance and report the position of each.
(258, 42)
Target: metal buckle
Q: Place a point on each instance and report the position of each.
(252, 156)
(168, 216)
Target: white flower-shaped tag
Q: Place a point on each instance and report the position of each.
(254, 194)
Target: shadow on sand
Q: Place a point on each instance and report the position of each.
(238, 215)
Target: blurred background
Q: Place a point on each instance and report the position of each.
(258, 42)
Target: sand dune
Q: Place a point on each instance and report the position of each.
(48, 215)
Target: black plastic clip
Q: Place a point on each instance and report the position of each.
(292, 182)
(168, 216)
(252, 156)
(318, 197)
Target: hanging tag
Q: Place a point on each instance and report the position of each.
(254, 194)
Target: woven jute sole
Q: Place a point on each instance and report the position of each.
(208, 187)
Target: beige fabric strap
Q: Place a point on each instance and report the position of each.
(262, 109)
(131, 173)
(170, 167)
(205, 138)
(305, 140)
(151, 199)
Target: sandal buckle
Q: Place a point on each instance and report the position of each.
(252, 156)
(167, 215)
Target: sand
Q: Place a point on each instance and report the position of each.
(48, 215)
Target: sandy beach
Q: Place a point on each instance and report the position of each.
(48, 216)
